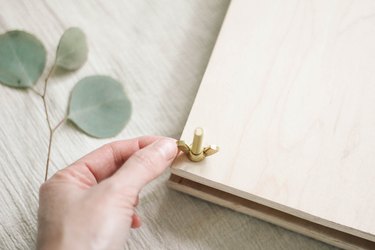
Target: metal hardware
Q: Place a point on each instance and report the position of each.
(196, 152)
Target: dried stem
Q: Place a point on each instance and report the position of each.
(36, 92)
(59, 124)
(51, 129)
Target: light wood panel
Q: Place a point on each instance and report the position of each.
(289, 96)
(289, 221)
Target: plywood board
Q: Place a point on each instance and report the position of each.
(289, 96)
(289, 221)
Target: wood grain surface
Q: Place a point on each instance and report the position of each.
(272, 215)
(159, 51)
(289, 96)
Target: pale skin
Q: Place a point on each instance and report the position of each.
(91, 203)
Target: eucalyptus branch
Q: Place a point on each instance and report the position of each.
(88, 94)
(44, 97)
(35, 92)
(59, 124)
(51, 130)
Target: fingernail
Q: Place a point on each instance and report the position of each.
(167, 148)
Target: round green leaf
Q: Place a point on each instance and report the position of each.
(22, 59)
(72, 50)
(99, 106)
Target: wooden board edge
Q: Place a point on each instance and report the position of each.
(288, 221)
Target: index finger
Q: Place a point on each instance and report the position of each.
(103, 162)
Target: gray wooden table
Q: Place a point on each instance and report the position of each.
(159, 51)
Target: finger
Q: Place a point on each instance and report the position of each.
(136, 221)
(145, 165)
(103, 162)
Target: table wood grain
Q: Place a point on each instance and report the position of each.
(289, 96)
(159, 51)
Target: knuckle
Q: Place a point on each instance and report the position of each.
(110, 150)
(107, 148)
(44, 188)
(61, 174)
(48, 185)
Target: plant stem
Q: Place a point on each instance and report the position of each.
(51, 130)
(36, 92)
(59, 124)
(48, 154)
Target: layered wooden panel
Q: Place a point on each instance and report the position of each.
(289, 96)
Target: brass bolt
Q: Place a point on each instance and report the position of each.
(196, 148)
(196, 152)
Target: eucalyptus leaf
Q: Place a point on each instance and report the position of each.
(99, 106)
(72, 50)
(22, 59)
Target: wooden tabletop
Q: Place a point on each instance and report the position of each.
(158, 50)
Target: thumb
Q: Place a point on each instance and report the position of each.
(146, 164)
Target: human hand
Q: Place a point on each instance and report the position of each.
(90, 204)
